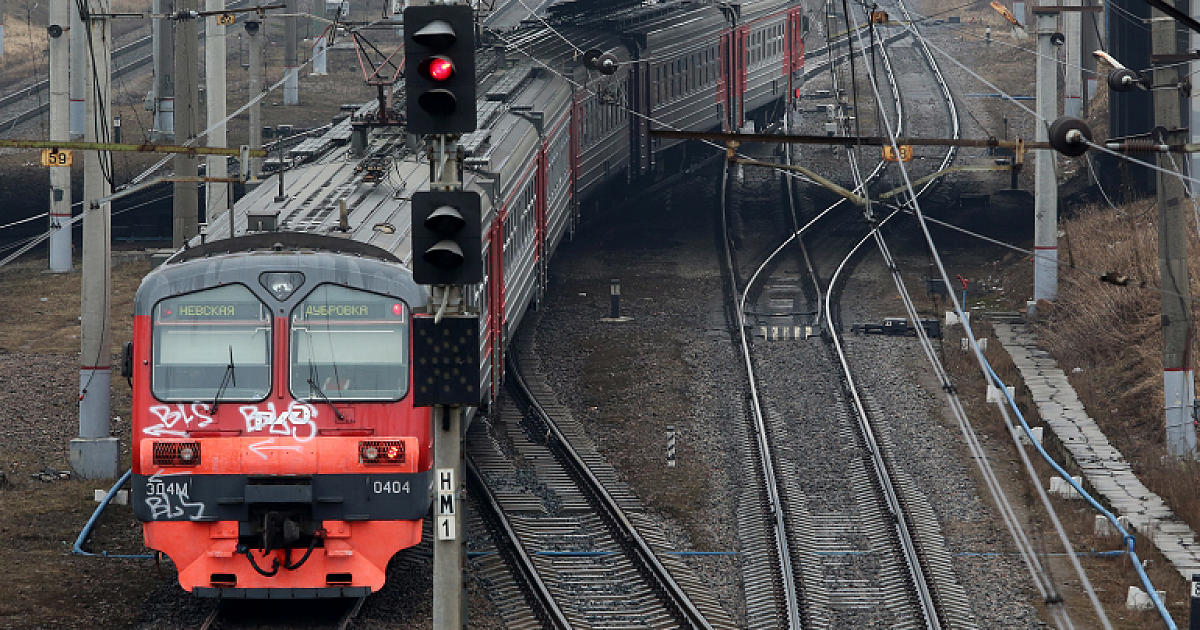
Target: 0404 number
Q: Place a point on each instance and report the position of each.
(390, 487)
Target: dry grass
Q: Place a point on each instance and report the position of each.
(1113, 336)
(1110, 575)
(41, 311)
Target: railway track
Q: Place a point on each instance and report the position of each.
(573, 529)
(863, 542)
(31, 102)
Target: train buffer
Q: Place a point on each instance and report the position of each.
(899, 327)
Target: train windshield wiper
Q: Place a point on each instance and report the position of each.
(230, 376)
(313, 385)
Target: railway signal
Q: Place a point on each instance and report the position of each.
(439, 68)
(447, 237)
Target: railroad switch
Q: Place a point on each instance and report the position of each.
(899, 327)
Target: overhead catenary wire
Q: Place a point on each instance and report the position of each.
(989, 372)
(1045, 585)
(1040, 120)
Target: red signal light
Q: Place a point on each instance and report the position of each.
(439, 69)
(381, 452)
(397, 310)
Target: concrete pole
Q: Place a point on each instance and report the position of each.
(186, 202)
(1179, 388)
(94, 454)
(291, 57)
(1093, 25)
(1194, 101)
(60, 129)
(78, 72)
(216, 197)
(256, 68)
(1045, 187)
(449, 544)
(3, 9)
(163, 45)
(320, 67)
(1073, 85)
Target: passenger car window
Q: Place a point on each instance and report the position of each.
(208, 338)
(349, 344)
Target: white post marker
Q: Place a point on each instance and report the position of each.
(445, 504)
(670, 446)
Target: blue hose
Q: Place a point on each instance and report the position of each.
(87, 529)
(1125, 535)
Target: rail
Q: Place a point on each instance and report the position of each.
(629, 538)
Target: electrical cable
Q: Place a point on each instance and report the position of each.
(1010, 520)
(157, 165)
(1038, 118)
(26, 220)
(535, 14)
(1058, 526)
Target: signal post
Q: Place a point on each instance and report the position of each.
(439, 45)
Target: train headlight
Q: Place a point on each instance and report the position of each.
(381, 452)
(177, 454)
(281, 284)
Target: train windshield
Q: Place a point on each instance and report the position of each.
(349, 344)
(212, 345)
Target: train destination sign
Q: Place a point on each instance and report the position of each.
(393, 311)
(182, 309)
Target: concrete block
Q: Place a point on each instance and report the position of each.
(994, 395)
(96, 458)
(1059, 486)
(1137, 599)
(120, 498)
(1103, 527)
(1037, 435)
(966, 344)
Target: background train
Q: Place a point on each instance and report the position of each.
(276, 450)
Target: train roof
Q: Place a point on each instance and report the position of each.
(521, 85)
(376, 187)
(243, 260)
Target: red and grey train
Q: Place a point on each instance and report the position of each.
(276, 449)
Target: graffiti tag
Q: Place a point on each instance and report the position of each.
(177, 419)
(170, 498)
(291, 423)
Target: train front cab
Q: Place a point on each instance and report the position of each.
(276, 451)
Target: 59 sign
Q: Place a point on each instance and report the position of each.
(905, 154)
(54, 157)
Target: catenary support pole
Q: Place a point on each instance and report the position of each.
(449, 612)
(291, 57)
(1072, 66)
(217, 199)
(321, 42)
(1193, 100)
(256, 43)
(1045, 187)
(1092, 40)
(60, 129)
(163, 90)
(94, 453)
(186, 202)
(1179, 389)
(79, 69)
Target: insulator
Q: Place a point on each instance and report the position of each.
(1140, 145)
